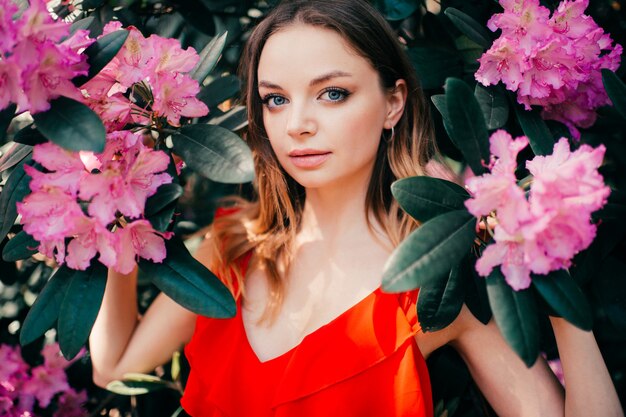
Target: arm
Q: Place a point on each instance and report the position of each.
(121, 343)
(515, 390)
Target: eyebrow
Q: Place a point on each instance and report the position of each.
(314, 82)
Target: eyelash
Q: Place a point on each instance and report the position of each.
(345, 93)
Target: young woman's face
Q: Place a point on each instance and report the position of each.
(323, 107)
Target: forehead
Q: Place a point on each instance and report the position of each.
(304, 52)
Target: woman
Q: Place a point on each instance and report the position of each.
(335, 116)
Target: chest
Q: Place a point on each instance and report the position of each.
(317, 291)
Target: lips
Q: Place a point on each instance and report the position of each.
(308, 158)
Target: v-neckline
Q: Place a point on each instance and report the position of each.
(308, 336)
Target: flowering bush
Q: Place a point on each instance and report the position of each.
(551, 61)
(543, 232)
(24, 389)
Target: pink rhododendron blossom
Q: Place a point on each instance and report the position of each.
(175, 97)
(139, 239)
(553, 62)
(38, 57)
(45, 386)
(543, 231)
(82, 196)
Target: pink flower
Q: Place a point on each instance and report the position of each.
(9, 27)
(135, 61)
(71, 404)
(11, 84)
(541, 233)
(139, 239)
(175, 96)
(171, 58)
(45, 383)
(67, 169)
(498, 190)
(553, 62)
(39, 25)
(125, 184)
(93, 238)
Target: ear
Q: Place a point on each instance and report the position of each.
(396, 100)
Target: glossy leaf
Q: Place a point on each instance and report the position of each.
(219, 90)
(434, 65)
(439, 100)
(215, 153)
(209, 56)
(565, 297)
(428, 252)
(398, 9)
(6, 116)
(426, 197)
(535, 128)
(80, 307)
(470, 27)
(515, 314)
(234, 119)
(136, 387)
(440, 303)
(616, 90)
(82, 24)
(45, 311)
(72, 125)
(190, 283)
(14, 191)
(29, 135)
(101, 52)
(21, 246)
(494, 105)
(468, 129)
(14, 156)
(165, 195)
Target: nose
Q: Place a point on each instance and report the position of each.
(301, 122)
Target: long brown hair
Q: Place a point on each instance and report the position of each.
(269, 224)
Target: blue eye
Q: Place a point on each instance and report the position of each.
(273, 100)
(334, 94)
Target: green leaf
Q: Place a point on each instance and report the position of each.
(209, 56)
(468, 129)
(215, 153)
(439, 100)
(426, 197)
(539, 136)
(29, 135)
(72, 125)
(14, 191)
(434, 65)
(80, 307)
(470, 27)
(165, 195)
(616, 90)
(45, 311)
(101, 52)
(21, 246)
(515, 314)
(190, 283)
(561, 293)
(440, 303)
(135, 387)
(6, 116)
(14, 156)
(398, 9)
(234, 119)
(219, 90)
(494, 105)
(429, 251)
(82, 24)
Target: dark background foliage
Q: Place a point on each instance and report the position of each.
(438, 50)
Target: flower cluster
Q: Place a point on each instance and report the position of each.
(23, 387)
(146, 81)
(38, 57)
(539, 230)
(114, 185)
(551, 61)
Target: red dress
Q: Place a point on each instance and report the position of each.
(365, 362)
